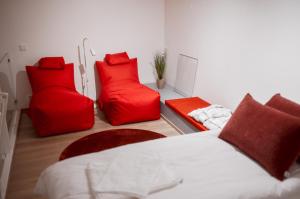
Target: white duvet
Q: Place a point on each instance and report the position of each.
(210, 168)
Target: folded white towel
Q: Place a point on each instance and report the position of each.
(215, 111)
(213, 117)
(216, 123)
(199, 115)
(134, 175)
(212, 111)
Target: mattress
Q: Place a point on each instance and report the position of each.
(185, 105)
(210, 168)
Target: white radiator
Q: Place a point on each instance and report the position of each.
(186, 74)
(4, 138)
(7, 142)
(8, 129)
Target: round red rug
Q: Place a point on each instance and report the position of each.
(107, 140)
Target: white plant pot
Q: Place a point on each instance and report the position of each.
(160, 83)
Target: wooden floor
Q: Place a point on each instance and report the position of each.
(33, 154)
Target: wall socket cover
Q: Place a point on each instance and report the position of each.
(22, 47)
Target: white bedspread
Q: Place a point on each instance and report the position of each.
(211, 169)
(144, 174)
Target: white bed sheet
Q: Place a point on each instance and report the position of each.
(210, 167)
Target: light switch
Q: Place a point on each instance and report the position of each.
(22, 47)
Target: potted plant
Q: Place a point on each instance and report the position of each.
(160, 66)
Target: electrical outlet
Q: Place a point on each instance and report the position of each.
(22, 47)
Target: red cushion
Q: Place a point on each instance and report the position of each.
(52, 63)
(116, 59)
(269, 136)
(57, 110)
(285, 105)
(45, 78)
(185, 105)
(109, 74)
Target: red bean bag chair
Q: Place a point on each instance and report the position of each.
(56, 107)
(123, 99)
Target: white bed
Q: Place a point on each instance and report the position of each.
(210, 168)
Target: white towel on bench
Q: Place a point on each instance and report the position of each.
(213, 117)
(216, 123)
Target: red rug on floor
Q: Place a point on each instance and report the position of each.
(107, 140)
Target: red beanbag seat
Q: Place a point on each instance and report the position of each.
(130, 102)
(58, 110)
(123, 99)
(56, 107)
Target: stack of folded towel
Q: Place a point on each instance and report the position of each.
(130, 175)
(213, 117)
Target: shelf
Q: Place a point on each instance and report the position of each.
(166, 93)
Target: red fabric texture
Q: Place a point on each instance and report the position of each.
(269, 136)
(112, 74)
(52, 63)
(56, 107)
(127, 102)
(58, 110)
(123, 99)
(117, 59)
(106, 140)
(285, 105)
(41, 78)
(186, 105)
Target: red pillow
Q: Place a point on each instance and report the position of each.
(44, 78)
(117, 59)
(269, 136)
(109, 74)
(52, 63)
(285, 105)
(280, 103)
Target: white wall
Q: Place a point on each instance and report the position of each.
(242, 46)
(56, 27)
